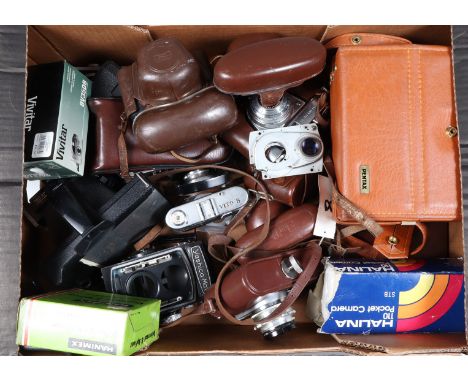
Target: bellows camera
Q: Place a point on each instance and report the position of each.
(286, 151)
(178, 276)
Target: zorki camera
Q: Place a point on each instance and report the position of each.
(178, 276)
(286, 151)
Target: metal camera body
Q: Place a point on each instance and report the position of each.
(201, 180)
(286, 151)
(279, 115)
(178, 276)
(207, 209)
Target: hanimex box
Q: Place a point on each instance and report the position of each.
(56, 121)
(88, 322)
(368, 297)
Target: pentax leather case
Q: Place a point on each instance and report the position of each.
(394, 135)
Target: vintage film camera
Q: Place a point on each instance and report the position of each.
(286, 151)
(207, 209)
(101, 235)
(179, 276)
(264, 71)
(208, 199)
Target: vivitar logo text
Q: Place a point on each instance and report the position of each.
(30, 112)
(84, 91)
(364, 174)
(62, 140)
(98, 347)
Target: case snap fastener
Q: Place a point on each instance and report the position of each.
(392, 240)
(356, 40)
(451, 131)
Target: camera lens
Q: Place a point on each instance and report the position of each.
(142, 284)
(275, 152)
(175, 278)
(311, 146)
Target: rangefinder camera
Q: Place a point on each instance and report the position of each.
(178, 276)
(207, 209)
(286, 151)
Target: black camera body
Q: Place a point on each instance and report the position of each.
(102, 235)
(178, 276)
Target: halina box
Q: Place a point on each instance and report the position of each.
(366, 297)
(88, 322)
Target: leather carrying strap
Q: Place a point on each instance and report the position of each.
(125, 79)
(152, 234)
(364, 39)
(356, 213)
(395, 241)
(122, 148)
(198, 158)
(391, 240)
(322, 109)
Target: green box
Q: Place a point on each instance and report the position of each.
(56, 121)
(88, 322)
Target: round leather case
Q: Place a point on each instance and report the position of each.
(201, 115)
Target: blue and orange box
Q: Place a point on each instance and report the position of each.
(366, 297)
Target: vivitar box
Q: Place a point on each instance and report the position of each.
(366, 297)
(56, 121)
(88, 322)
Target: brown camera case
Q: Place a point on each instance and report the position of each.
(395, 148)
(108, 113)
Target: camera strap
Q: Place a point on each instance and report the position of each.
(392, 240)
(122, 148)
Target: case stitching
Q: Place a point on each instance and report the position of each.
(410, 122)
(421, 127)
(396, 47)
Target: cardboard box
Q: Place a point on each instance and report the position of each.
(83, 45)
(368, 297)
(56, 121)
(88, 322)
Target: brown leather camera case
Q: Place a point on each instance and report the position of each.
(106, 156)
(394, 136)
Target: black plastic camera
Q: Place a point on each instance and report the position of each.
(103, 234)
(178, 276)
